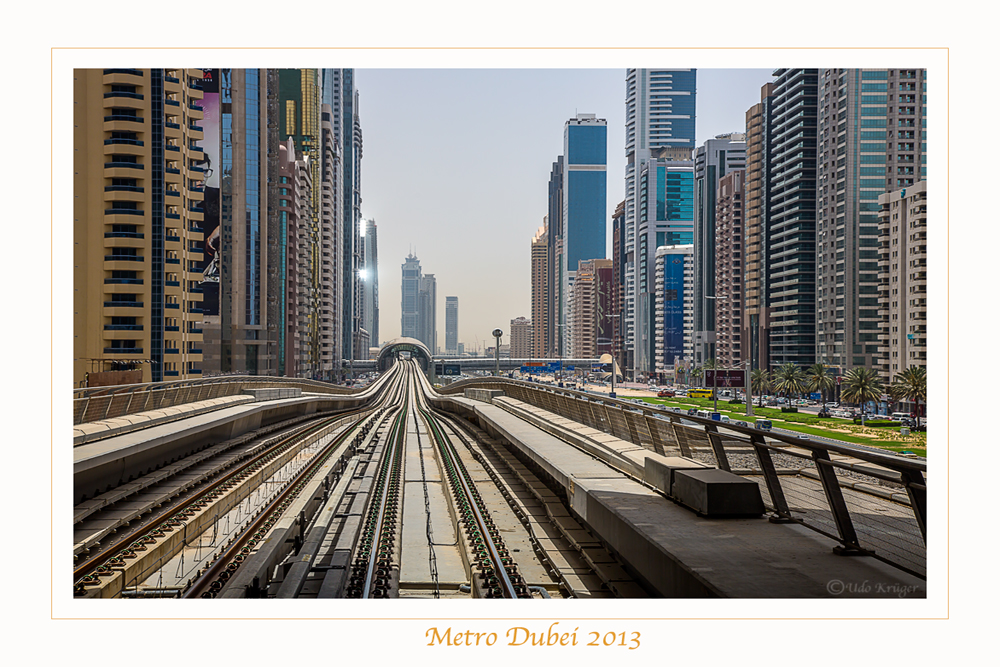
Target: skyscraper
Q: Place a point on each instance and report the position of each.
(300, 109)
(903, 289)
(665, 217)
(674, 309)
(757, 222)
(585, 182)
(410, 304)
(659, 113)
(555, 305)
(294, 197)
(872, 140)
(369, 279)
(520, 338)
(714, 159)
(730, 345)
(139, 181)
(591, 306)
(340, 93)
(791, 251)
(427, 312)
(451, 325)
(539, 292)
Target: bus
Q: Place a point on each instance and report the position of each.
(700, 393)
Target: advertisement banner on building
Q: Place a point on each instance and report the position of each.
(724, 378)
(211, 146)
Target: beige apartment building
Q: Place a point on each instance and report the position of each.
(731, 336)
(903, 273)
(520, 338)
(588, 315)
(138, 242)
(539, 291)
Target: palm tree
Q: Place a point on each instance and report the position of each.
(696, 372)
(789, 379)
(910, 385)
(818, 380)
(760, 382)
(861, 385)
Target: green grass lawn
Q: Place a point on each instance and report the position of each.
(837, 429)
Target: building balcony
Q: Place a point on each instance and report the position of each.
(124, 211)
(124, 235)
(129, 77)
(123, 350)
(123, 123)
(174, 306)
(123, 258)
(127, 169)
(124, 193)
(123, 100)
(123, 142)
(123, 327)
(123, 281)
(124, 304)
(171, 350)
(123, 93)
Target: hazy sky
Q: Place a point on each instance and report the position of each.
(456, 167)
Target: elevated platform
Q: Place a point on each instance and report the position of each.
(113, 452)
(671, 549)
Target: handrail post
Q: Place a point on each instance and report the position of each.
(715, 439)
(916, 489)
(781, 511)
(838, 506)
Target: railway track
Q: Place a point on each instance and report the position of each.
(317, 509)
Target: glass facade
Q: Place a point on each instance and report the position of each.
(252, 162)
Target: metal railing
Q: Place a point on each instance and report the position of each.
(871, 502)
(96, 403)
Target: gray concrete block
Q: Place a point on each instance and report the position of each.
(486, 395)
(273, 393)
(714, 492)
(659, 471)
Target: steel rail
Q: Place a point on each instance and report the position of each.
(465, 485)
(225, 561)
(142, 534)
(391, 461)
(190, 505)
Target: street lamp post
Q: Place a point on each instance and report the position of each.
(497, 333)
(715, 373)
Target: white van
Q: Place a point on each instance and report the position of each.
(704, 413)
(899, 416)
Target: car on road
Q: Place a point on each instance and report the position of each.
(665, 393)
(743, 424)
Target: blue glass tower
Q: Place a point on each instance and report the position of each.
(664, 217)
(585, 195)
(659, 121)
(585, 186)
